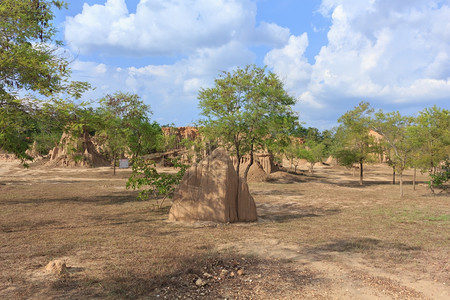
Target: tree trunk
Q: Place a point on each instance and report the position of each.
(401, 183)
(361, 173)
(393, 175)
(114, 164)
(414, 179)
(238, 166)
(249, 164)
(432, 172)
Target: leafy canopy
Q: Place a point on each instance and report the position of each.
(353, 143)
(246, 110)
(28, 60)
(126, 126)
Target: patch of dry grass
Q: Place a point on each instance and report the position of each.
(117, 247)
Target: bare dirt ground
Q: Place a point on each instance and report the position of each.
(319, 236)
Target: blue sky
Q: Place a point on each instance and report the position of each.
(330, 54)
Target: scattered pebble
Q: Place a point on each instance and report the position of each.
(199, 282)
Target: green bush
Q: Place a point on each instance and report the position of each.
(152, 183)
(440, 177)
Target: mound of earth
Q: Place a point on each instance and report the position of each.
(283, 177)
(211, 191)
(56, 267)
(255, 174)
(76, 152)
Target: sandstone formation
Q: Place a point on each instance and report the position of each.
(188, 132)
(33, 152)
(74, 152)
(208, 192)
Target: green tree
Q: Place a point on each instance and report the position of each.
(431, 136)
(145, 137)
(394, 129)
(293, 153)
(313, 152)
(29, 61)
(246, 110)
(353, 143)
(126, 126)
(16, 127)
(153, 183)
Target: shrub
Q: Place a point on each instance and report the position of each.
(153, 183)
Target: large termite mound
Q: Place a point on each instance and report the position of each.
(211, 191)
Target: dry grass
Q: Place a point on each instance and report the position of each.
(319, 236)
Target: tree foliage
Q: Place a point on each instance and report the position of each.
(153, 184)
(311, 151)
(126, 126)
(394, 128)
(430, 135)
(246, 110)
(28, 60)
(353, 143)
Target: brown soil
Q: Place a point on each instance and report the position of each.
(319, 236)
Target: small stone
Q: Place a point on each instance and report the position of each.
(207, 275)
(199, 282)
(224, 272)
(232, 274)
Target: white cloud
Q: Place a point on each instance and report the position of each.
(378, 50)
(268, 34)
(381, 51)
(171, 90)
(386, 43)
(289, 62)
(167, 27)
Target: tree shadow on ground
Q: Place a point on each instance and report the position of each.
(363, 245)
(60, 225)
(354, 183)
(111, 199)
(276, 192)
(285, 212)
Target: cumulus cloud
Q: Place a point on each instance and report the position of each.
(168, 27)
(378, 50)
(383, 51)
(290, 61)
(171, 89)
(386, 45)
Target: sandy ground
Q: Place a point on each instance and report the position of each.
(319, 236)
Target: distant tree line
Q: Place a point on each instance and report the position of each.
(420, 142)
